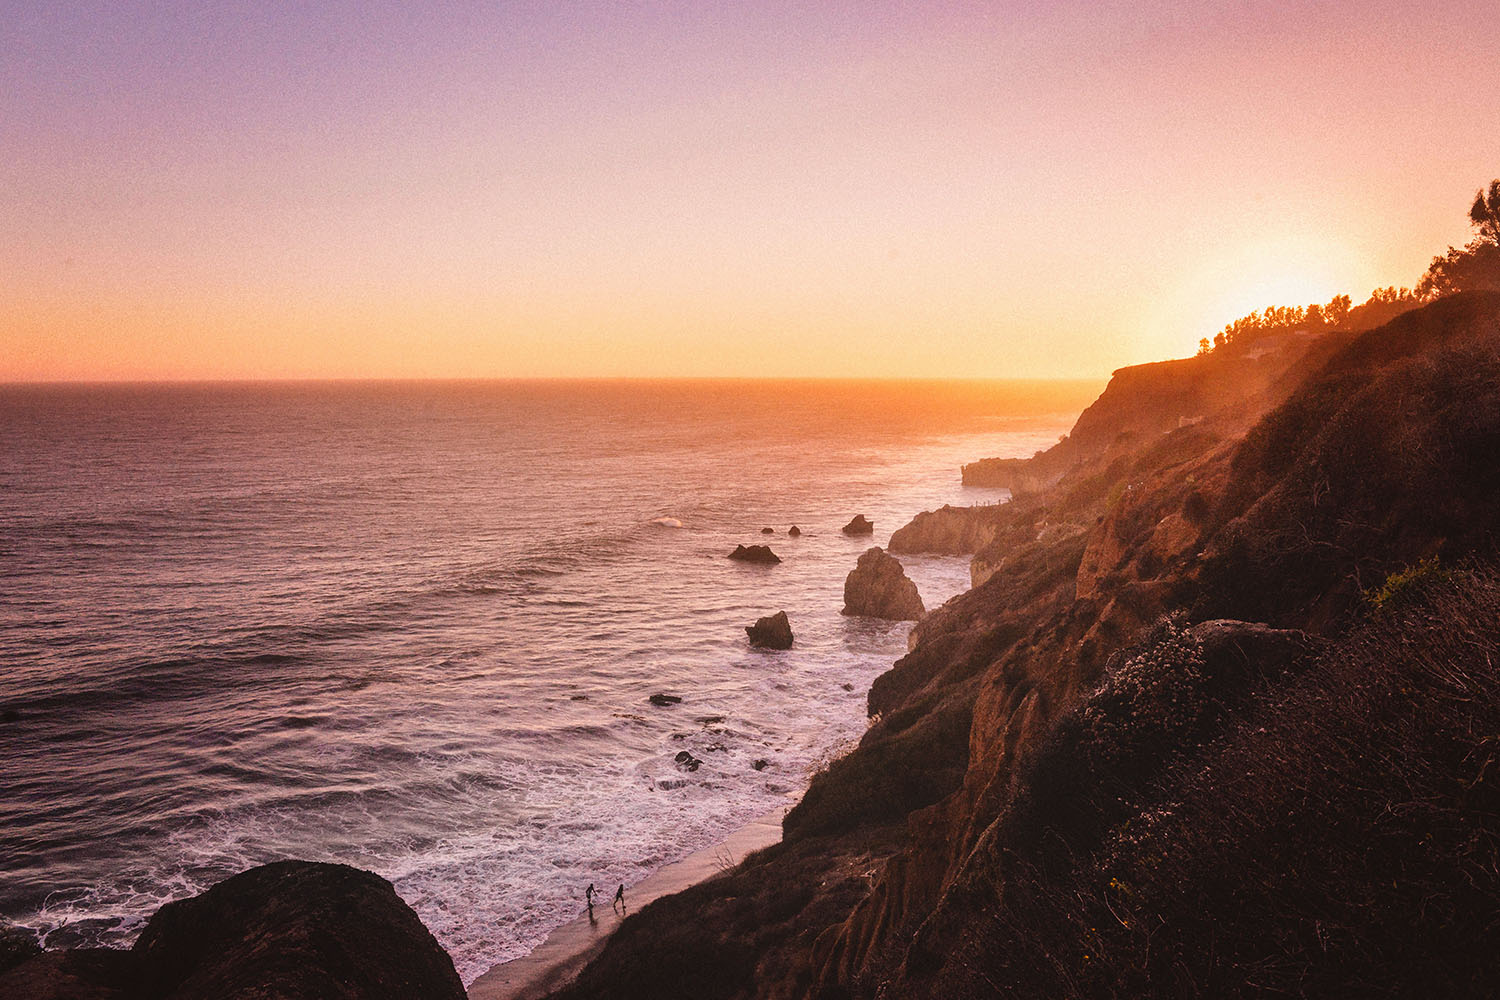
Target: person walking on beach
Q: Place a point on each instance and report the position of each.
(619, 898)
(588, 894)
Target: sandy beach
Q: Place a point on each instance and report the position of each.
(570, 947)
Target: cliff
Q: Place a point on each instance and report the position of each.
(1143, 402)
(1215, 719)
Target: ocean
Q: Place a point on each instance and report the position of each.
(414, 627)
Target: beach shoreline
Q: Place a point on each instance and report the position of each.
(557, 960)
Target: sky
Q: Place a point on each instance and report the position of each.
(207, 190)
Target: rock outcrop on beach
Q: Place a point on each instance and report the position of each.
(878, 587)
(771, 632)
(859, 525)
(293, 930)
(755, 554)
(1214, 722)
(949, 530)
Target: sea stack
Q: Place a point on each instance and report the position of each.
(794, 531)
(755, 554)
(859, 526)
(772, 632)
(878, 587)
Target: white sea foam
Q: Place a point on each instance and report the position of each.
(426, 649)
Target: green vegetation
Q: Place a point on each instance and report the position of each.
(1401, 585)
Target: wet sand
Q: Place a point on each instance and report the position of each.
(557, 960)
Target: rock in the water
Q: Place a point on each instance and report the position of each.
(663, 700)
(859, 526)
(761, 764)
(772, 632)
(794, 531)
(768, 531)
(878, 587)
(755, 554)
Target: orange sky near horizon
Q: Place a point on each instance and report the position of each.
(513, 190)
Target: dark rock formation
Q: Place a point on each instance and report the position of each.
(877, 587)
(81, 974)
(663, 700)
(794, 531)
(687, 761)
(293, 930)
(16, 946)
(755, 554)
(772, 632)
(859, 526)
(768, 531)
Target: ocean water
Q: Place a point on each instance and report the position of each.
(414, 628)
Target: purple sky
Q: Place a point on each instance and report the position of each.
(208, 190)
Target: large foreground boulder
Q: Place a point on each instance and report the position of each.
(771, 632)
(878, 587)
(293, 930)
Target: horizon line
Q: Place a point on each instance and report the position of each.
(491, 379)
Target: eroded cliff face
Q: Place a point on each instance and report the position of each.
(1143, 402)
(1327, 491)
(1183, 601)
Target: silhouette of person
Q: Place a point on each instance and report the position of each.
(588, 894)
(619, 898)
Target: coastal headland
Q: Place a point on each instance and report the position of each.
(1216, 718)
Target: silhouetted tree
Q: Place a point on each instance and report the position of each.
(1477, 265)
(1485, 213)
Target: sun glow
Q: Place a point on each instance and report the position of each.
(1234, 281)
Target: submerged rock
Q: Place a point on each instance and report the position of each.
(755, 554)
(859, 526)
(768, 531)
(771, 632)
(878, 587)
(663, 700)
